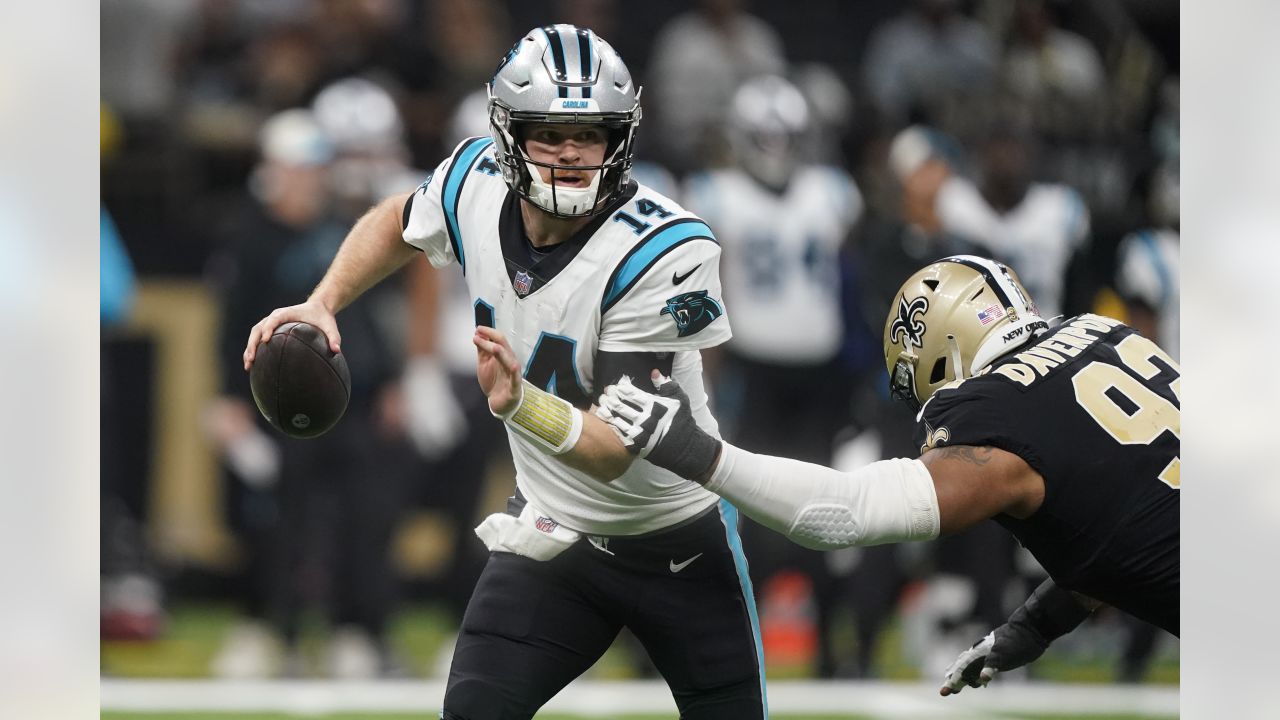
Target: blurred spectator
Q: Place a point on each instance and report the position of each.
(444, 51)
(782, 223)
(1044, 60)
(924, 58)
(897, 237)
(1147, 267)
(316, 518)
(443, 410)
(137, 72)
(1036, 228)
(699, 58)
(362, 120)
(131, 594)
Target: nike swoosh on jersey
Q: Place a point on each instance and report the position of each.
(677, 278)
(677, 567)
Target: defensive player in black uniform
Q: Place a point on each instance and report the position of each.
(1068, 437)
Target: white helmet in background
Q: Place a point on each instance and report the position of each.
(470, 118)
(360, 116)
(768, 120)
(364, 123)
(563, 74)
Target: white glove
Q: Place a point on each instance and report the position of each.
(640, 419)
(659, 427)
(435, 422)
(1049, 613)
(971, 668)
(255, 459)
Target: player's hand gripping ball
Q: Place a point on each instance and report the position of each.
(300, 385)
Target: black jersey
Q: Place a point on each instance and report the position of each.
(1094, 408)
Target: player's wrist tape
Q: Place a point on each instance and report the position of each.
(549, 421)
(820, 508)
(1051, 612)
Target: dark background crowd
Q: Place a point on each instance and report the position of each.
(241, 138)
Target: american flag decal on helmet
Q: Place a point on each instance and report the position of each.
(991, 314)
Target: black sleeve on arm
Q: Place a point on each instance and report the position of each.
(610, 366)
(1052, 611)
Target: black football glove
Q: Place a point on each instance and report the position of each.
(1047, 615)
(659, 427)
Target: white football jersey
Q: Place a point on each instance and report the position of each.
(1037, 238)
(781, 258)
(645, 280)
(1147, 268)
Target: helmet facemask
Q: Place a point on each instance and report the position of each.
(521, 172)
(563, 75)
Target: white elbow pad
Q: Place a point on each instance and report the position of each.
(820, 508)
(891, 501)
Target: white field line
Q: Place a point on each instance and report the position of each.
(608, 699)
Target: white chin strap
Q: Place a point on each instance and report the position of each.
(564, 200)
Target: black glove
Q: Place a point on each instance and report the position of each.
(1047, 615)
(660, 428)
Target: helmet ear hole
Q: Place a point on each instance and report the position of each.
(933, 284)
(939, 371)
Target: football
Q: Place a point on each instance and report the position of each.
(299, 384)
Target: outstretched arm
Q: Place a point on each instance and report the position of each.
(371, 251)
(583, 441)
(946, 491)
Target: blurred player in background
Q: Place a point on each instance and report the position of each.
(782, 222)
(1067, 437)
(316, 518)
(593, 277)
(1040, 228)
(1147, 267)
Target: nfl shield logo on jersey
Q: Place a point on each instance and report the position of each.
(522, 283)
(546, 524)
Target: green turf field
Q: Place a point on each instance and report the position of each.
(195, 631)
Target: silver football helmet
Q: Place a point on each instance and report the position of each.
(951, 320)
(769, 118)
(563, 74)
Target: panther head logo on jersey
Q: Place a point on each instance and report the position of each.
(908, 324)
(692, 311)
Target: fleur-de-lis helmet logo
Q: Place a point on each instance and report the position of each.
(908, 322)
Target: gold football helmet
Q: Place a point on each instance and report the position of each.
(951, 320)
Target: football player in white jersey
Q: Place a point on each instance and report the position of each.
(590, 276)
(782, 222)
(1038, 227)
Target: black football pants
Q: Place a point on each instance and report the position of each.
(532, 627)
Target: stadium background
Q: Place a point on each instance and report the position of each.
(178, 153)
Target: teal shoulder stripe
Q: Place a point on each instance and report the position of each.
(649, 251)
(451, 191)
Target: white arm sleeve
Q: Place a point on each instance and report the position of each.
(820, 508)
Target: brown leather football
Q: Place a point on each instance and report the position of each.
(300, 385)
